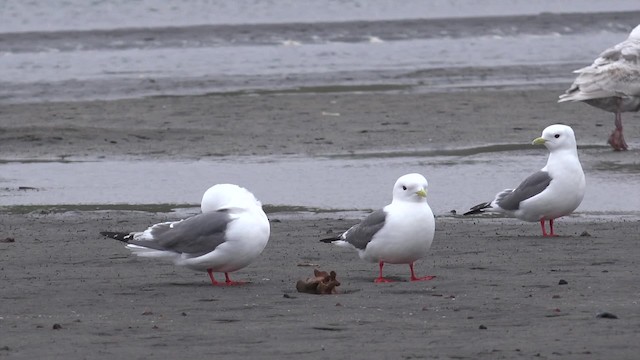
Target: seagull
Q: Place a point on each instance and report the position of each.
(399, 233)
(554, 191)
(611, 83)
(228, 235)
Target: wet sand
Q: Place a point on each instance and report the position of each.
(295, 123)
(496, 294)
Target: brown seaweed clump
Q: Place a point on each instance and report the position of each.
(321, 283)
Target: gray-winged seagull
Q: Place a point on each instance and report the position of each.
(399, 233)
(230, 233)
(554, 191)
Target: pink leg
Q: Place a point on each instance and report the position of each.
(544, 231)
(414, 278)
(616, 139)
(229, 282)
(381, 279)
(213, 279)
(551, 227)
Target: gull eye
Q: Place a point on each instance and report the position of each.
(404, 187)
(556, 136)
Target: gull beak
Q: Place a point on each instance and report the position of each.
(422, 193)
(539, 141)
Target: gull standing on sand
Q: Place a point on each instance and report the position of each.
(554, 191)
(399, 233)
(611, 83)
(230, 233)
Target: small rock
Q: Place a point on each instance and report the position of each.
(287, 296)
(585, 233)
(184, 313)
(453, 212)
(338, 304)
(606, 315)
(555, 297)
(562, 282)
(5, 348)
(8, 240)
(148, 312)
(57, 326)
(482, 327)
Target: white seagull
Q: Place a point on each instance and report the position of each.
(611, 83)
(399, 233)
(230, 233)
(554, 191)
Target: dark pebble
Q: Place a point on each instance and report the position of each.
(585, 233)
(148, 312)
(8, 240)
(562, 282)
(184, 314)
(57, 326)
(482, 327)
(606, 315)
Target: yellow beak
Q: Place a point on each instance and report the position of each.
(422, 193)
(539, 141)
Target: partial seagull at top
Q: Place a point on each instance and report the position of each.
(611, 83)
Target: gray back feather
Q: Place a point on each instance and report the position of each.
(531, 186)
(361, 234)
(195, 236)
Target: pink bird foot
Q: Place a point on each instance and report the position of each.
(544, 231)
(380, 278)
(227, 282)
(415, 278)
(616, 140)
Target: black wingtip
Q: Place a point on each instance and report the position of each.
(121, 236)
(329, 240)
(478, 208)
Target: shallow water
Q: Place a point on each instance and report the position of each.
(457, 179)
(76, 50)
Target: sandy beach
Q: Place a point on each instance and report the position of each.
(69, 293)
(500, 292)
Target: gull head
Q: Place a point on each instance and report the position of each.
(556, 137)
(222, 196)
(410, 187)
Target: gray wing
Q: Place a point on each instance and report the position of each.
(196, 235)
(615, 73)
(530, 187)
(360, 235)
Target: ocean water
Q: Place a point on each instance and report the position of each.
(79, 50)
